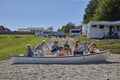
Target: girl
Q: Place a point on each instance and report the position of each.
(39, 48)
(93, 48)
(78, 48)
(61, 52)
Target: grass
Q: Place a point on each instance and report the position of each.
(15, 44)
(113, 44)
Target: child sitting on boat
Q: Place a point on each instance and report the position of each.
(93, 48)
(54, 47)
(78, 48)
(61, 52)
(67, 48)
(29, 51)
(39, 48)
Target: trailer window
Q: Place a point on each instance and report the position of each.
(75, 31)
(46, 32)
(94, 26)
(101, 26)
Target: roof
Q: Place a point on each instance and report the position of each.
(105, 22)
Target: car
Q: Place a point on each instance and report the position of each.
(61, 35)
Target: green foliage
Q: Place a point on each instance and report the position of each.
(67, 27)
(102, 10)
(108, 10)
(90, 10)
(15, 44)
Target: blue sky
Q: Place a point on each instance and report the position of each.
(16, 14)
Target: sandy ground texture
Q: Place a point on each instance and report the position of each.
(99, 71)
(109, 70)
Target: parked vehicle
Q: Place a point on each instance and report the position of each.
(61, 35)
(75, 32)
(46, 34)
(101, 29)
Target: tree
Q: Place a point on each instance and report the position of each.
(59, 30)
(50, 29)
(108, 10)
(67, 27)
(90, 10)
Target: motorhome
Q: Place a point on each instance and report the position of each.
(102, 29)
(75, 32)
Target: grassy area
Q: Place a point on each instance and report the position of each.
(113, 44)
(15, 44)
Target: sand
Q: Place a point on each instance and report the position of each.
(109, 70)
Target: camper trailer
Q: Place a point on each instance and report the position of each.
(75, 32)
(103, 29)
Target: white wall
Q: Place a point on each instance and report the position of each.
(84, 29)
(97, 32)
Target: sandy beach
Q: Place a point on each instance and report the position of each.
(100, 71)
(109, 70)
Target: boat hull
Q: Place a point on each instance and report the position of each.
(97, 57)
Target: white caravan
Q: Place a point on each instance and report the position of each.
(100, 29)
(75, 32)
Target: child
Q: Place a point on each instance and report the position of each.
(93, 48)
(61, 52)
(67, 48)
(39, 48)
(78, 48)
(54, 47)
(29, 51)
